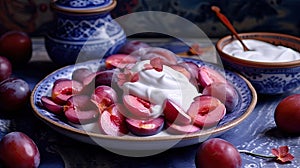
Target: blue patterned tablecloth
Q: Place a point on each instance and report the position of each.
(257, 133)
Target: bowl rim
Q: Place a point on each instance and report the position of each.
(98, 9)
(250, 63)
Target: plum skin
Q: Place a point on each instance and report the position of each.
(216, 153)
(16, 46)
(81, 73)
(5, 68)
(287, 114)
(145, 127)
(14, 94)
(19, 150)
(225, 92)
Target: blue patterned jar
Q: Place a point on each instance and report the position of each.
(84, 30)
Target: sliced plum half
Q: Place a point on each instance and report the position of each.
(63, 89)
(138, 108)
(103, 97)
(79, 109)
(145, 127)
(120, 61)
(112, 122)
(50, 105)
(206, 111)
(175, 114)
(225, 92)
(207, 76)
(173, 128)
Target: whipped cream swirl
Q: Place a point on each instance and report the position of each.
(156, 87)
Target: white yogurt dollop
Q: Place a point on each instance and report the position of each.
(261, 51)
(156, 87)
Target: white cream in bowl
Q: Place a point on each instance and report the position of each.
(261, 51)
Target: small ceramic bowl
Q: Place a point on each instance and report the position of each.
(266, 77)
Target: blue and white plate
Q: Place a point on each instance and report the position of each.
(161, 141)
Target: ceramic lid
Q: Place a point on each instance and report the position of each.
(83, 6)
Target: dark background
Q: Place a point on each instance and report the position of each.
(282, 16)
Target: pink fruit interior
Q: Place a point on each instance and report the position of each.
(174, 113)
(181, 129)
(208, 76)
(49, 104)
(81, 117)
(206, 111)
(111, 124)
(138, 107)
(64, 89)
(119, 60)
(145, 127)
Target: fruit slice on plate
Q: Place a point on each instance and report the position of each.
(119, 61)
(225, 92)
(145, 127)
(50, 105)
(95, 79)
(63, 89)
(78, 116)
(104, 77)
(167, 57)
(207, 76)
(103, 97)
(79, 109)
(80, 74)
(82, 102)
(206, 111)
(98, 78)
(182, 70)
(175, 114)
(190, 67)
(112, 122)
(173, 128)
(137, 107)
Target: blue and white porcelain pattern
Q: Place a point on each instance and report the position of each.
(83, 4)
(270, 80)
(247, 98)
(81, 37)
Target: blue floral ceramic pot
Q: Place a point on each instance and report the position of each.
(84, 30)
